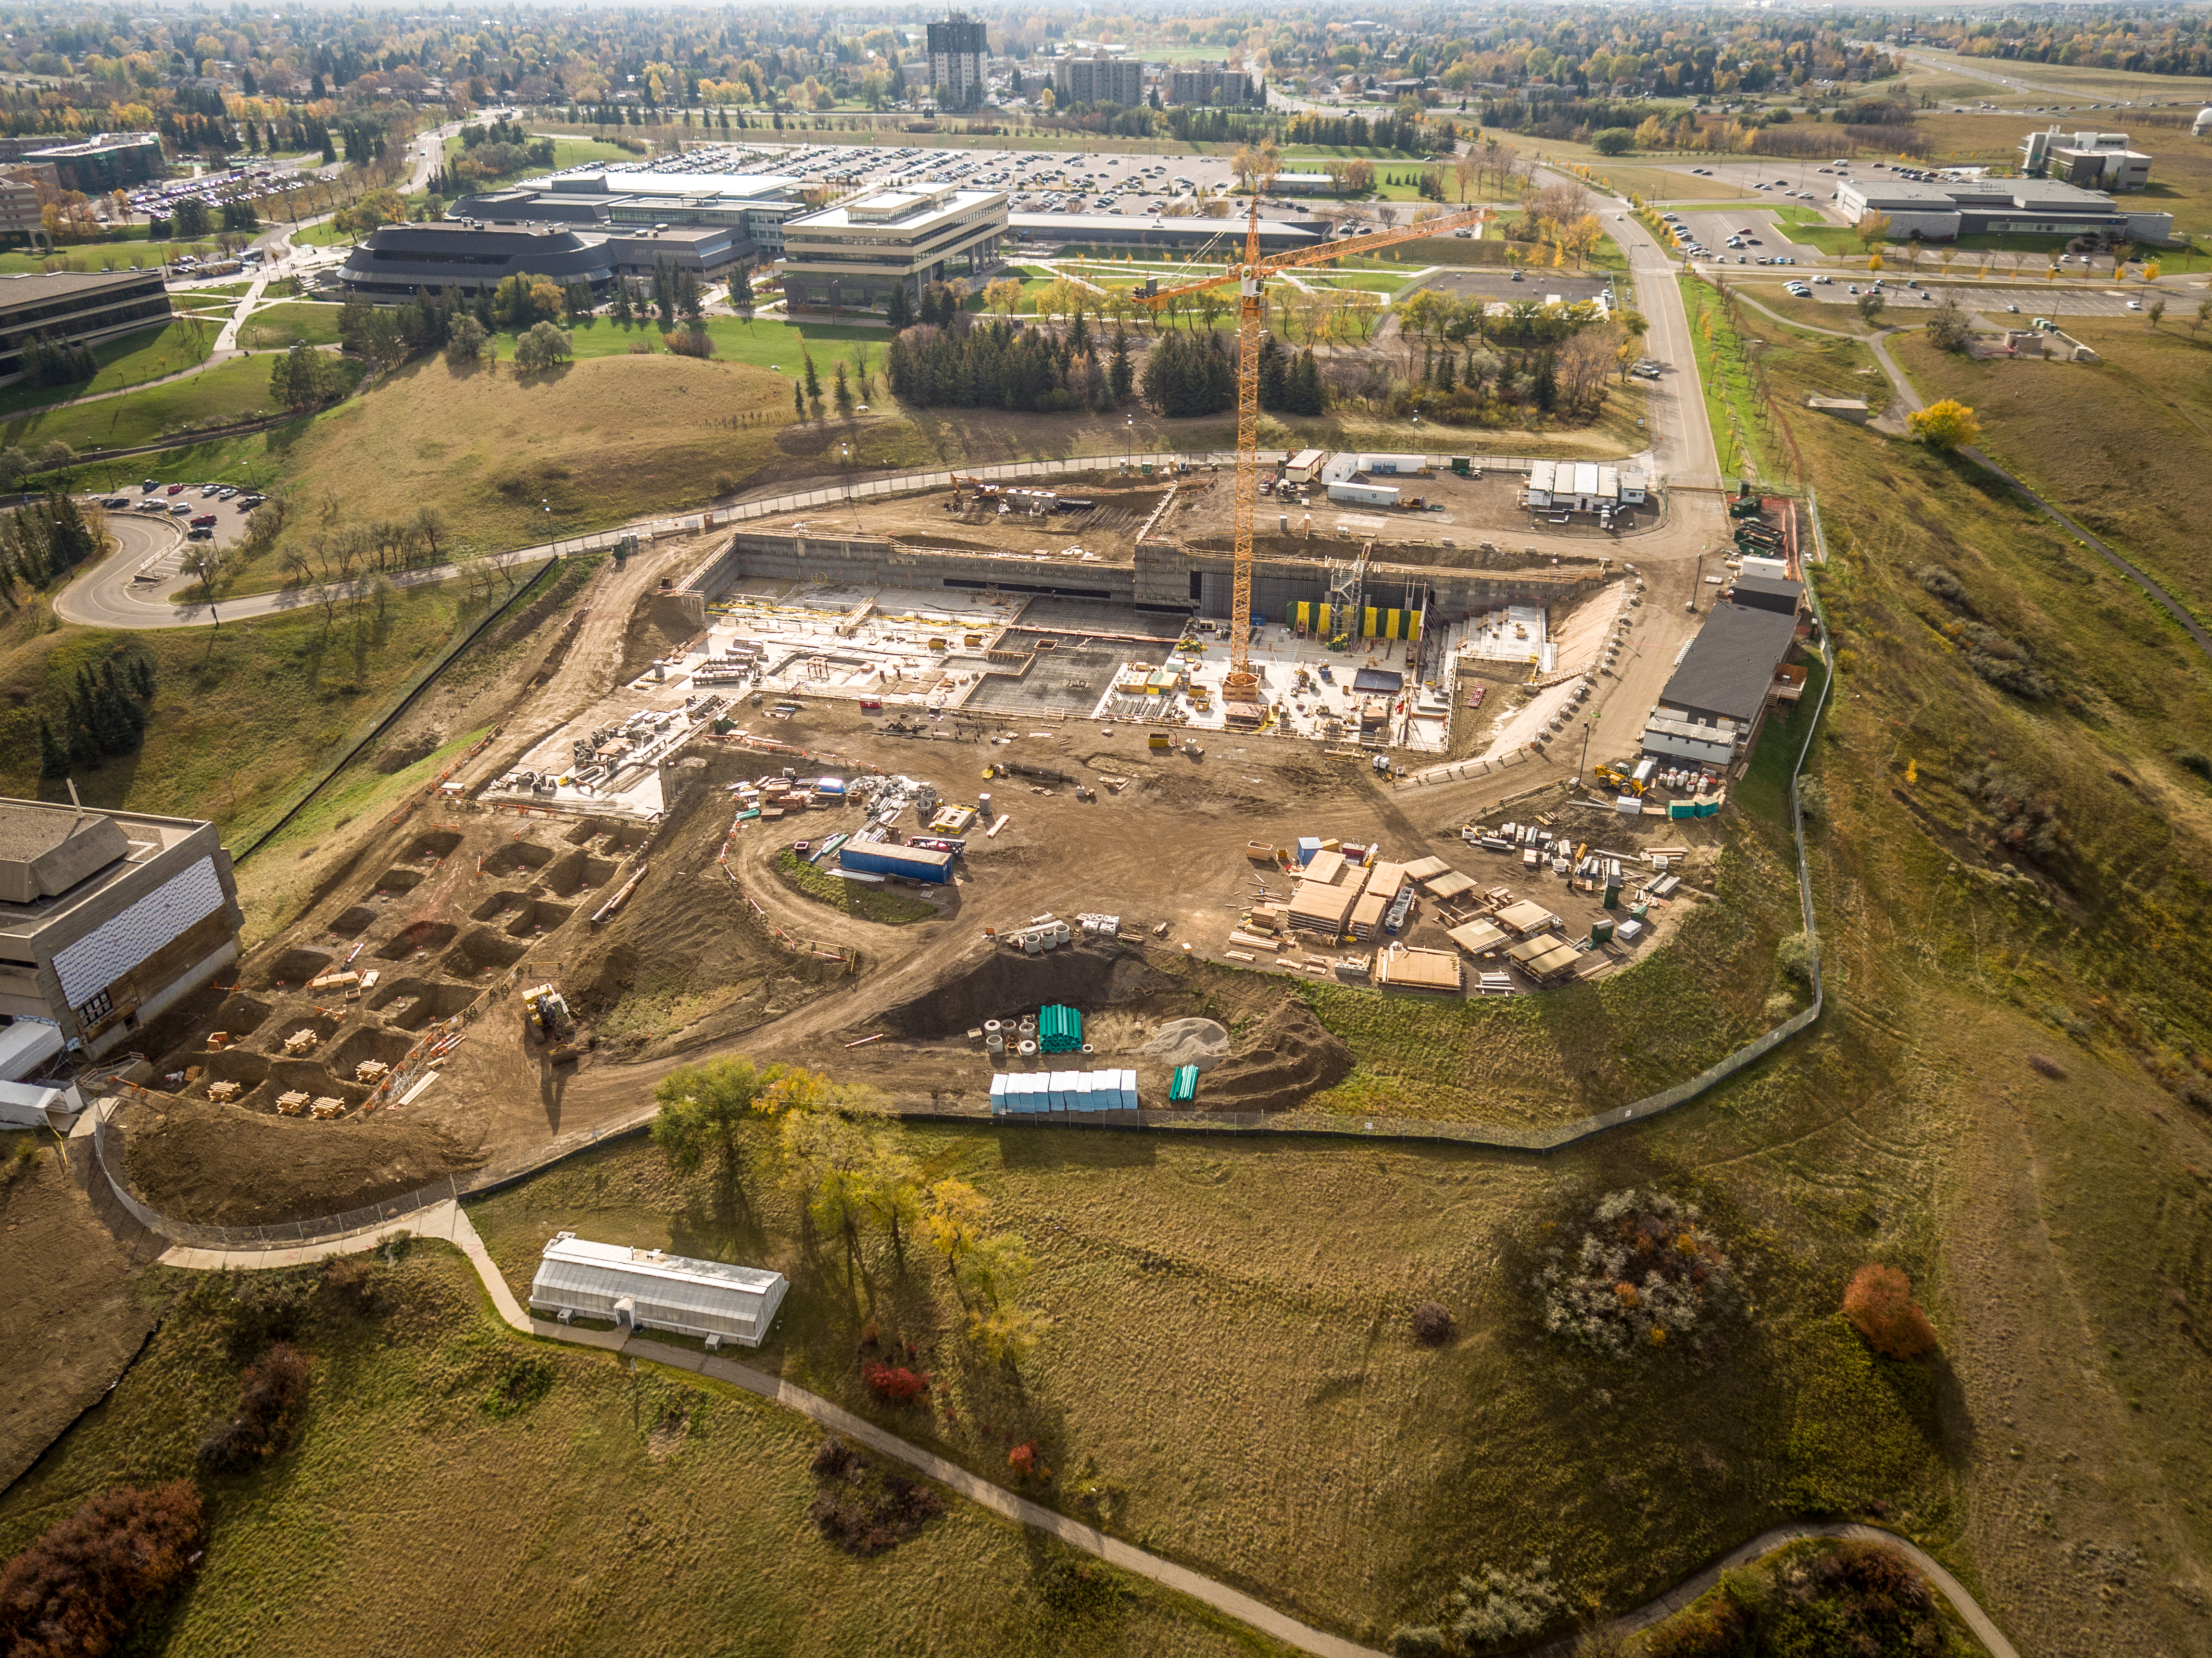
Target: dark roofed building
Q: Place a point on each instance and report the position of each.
(398, 260)
(1767, 592)
(77, 307)
(1711, 707)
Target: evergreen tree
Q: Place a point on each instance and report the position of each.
(1307, 396)
(1545, 388)
(623, 312)
(900, 314)
(1447, 374)
(53, 758)
(1274, 376)
(798, 400)
(1124, 374)
(813, 380)
(841, 396)
(741, 285)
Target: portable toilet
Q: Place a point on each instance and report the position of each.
(1600, 932)
(1084, 1100)
(1681, 808)
(1309, 849)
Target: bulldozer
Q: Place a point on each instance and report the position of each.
(548, 1014)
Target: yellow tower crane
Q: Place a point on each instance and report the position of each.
(1242, 685)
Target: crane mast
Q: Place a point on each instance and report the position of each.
(1241, 685)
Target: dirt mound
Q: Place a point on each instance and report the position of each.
(1201, 1042)
(196, 1161)
(1290, 1055)
(660, 622)
(1006, 981)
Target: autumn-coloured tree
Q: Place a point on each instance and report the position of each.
(1880, 1305)
(1944, 425)
(77, 1588)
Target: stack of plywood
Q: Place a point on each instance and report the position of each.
(325, 1107)
(1448, 886)
(1403, 967)
(223, 1093)
(1525, 917)
(1324, 867)
(1479, 938)
(293, 1104)
(301, 1040)
(1425, 870)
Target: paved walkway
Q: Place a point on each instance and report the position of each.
(447, 1221)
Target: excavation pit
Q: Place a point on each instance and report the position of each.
(538, 916)
(355, 922)
(620, 837)
(411, 1004)
(239, 1015)
(517, 855)
(439, 843)
(575, 872)
(275, 1036)
(480, 952)
(424, 935)
(499, 904)
(395, 879)
(390, 1047)
(292, 970)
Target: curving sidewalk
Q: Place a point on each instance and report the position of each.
(446, 1222)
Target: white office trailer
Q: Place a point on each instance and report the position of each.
(649, 1289)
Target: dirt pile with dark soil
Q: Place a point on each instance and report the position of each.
(660, 622)
(1005, 982)
(216, 1165)
(1290, 1055)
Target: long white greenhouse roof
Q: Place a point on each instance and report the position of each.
(653, 1264)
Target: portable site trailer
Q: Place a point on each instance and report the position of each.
(1304, 466)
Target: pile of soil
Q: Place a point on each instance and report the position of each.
(660, 622)
(1290, 1055)
(1004, 980)
(215, 1165)
(1201, 1042)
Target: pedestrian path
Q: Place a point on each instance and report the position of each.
(447, 1221)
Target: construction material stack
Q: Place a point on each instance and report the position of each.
(1060, 1030)
(1072, 1095)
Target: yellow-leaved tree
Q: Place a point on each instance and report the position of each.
(1944, 425)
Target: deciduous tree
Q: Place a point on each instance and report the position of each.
(1879, 1303)
(1945, 425)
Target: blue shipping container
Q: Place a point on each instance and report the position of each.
(914, 863)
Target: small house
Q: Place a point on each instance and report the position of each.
(650, 1290)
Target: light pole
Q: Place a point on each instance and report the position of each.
(1128, 441)
(1582, 768)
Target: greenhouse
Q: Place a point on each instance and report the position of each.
(648, 1289)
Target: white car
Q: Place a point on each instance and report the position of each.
(2135, 304)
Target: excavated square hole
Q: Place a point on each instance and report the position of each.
(482, 951)
(620, 837)
(499, 904)
(395, 879)
(230, 1065)
(424, 935)
(576, 872)
(538, 916)
(239, 1015)
(411, 1004)
(355, 922)
(517, 855)
(439, 843)
(368, 1042)
(277, 1032)
(293, 969)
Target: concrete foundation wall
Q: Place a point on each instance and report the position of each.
(1165, 576)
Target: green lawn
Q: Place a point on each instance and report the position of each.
(1727, 379)
(325, 235)
(765, 343)
(280, 325)
(566, 152)
(136, 357)
(237, 389)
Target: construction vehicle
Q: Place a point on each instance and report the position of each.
(1242, 685)
(548, 1014)
(1618, 781)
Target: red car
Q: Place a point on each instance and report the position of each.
(175, 489)
(204, 521)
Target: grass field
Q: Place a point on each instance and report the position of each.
(237, 389)
(127, 361)
(241, 714)
(135, 254)
(642, 1510)
(1724, 371)
(278, 326)
(2145, 408)
(326, 234)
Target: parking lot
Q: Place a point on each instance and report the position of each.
(1766, 238)
(1035, 181)
(184, 511)
(1990, 301)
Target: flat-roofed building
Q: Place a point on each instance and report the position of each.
(1711, 708)
(399, 260)
(104, 162)
(1976, 207)
(705, 250)
(650, 1290)
(1211, 83)
(21, 213)
(959, 54)
(76, 307)
(106, 918)
(751, 206)
(1100, 80)
(850, 257)
(2094, 161)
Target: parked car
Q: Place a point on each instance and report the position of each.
(175, 489)
(150, 486)
(115, 503)
(199, 535)
(204, 521)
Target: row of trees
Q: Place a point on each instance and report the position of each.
(1002, 365)
(58, 363)
(41, 543)
(835, 1152)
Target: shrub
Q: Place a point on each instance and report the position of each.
(1796, 954)
(2043, 1064)
(1646, 1274)
(1942, 582)
(899, 1385)
(1028, 1461)
(76, 1589)
(270, 1394)
(1495, 1607)
(520, 1385)
(2194, 760)
(691, 343)
(862, 1508)
(1432, 1323)
(352, 1281)
(1879, 1303)
(1715, 1628)
(2026, 822)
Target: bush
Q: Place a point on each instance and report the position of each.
(1942, 582)
(691, 343)
(75, 1590)
(1496, 1607)
(1647, 1274)
(1714, 1628)
(521, 1385)
(862, 1509)
(1879, 1303)
(899, 1385)
(271, 1393)
(2194, 760)
(1432, 1323)
(1797, 956)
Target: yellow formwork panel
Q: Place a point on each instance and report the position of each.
(1323, 609)
(1305, 614)
(1369, 631)
(1390, 625)
(1413, 624)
